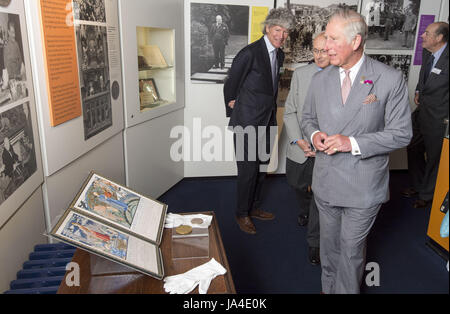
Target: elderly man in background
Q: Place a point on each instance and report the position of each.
(431, 99)
(299, 156)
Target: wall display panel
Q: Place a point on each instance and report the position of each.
(399, 62)
(424, 21)
(392, 23)
(218, 32)
(60, 62)
(93, 28)
(154, 57)
(20, 162)
(258, 16)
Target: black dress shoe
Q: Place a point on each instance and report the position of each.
(409, 192)
(421, 203)
(314, 256)
(302, 220)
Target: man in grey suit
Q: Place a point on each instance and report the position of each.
(428, 119)
(299, 156)
(356, 112)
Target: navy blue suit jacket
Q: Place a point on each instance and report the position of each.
(249, 82)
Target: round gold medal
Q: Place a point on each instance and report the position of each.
(183, 229)
(197, 221)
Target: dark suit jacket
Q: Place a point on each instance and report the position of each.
(249, 82)
(433, 95)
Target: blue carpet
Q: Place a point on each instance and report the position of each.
(275, 259)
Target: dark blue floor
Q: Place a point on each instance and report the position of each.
(275, 259)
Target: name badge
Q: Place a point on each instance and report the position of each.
(436, 70)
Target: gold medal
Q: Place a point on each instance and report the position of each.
(197, 221)
(183, 229)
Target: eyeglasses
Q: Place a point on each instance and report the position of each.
(321, 51)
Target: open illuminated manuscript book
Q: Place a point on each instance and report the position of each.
(112, 221)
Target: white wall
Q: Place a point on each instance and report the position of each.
(60, 188)
(19, 235)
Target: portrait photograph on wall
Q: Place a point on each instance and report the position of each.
(17, 149)
(218, 32)
(392, 23)
(399, 62)
(13, 78)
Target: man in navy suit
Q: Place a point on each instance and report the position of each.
(428, 119)
(250, 94)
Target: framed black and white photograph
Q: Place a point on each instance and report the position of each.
(218, 32)
(399, 62)
(17, 149)
(311, 17)
(93, 63)
(392, 23)
(89, 10)
(13, 77)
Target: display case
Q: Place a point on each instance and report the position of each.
(156, 67)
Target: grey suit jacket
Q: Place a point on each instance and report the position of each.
(379, 127)
(293, 110)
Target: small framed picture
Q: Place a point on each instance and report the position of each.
(148, 92)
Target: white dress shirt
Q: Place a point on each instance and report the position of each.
(353, 73)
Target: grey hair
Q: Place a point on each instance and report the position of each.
(280, 16)
(355, 24)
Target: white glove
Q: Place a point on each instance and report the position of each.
(175, 220)
(201, 276)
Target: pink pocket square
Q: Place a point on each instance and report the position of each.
(370, 99)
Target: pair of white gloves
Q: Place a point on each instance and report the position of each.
(201, 276)
(175, 220)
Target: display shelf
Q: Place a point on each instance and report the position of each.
(156, 67)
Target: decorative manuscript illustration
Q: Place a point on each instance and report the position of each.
(95, 235)
(110, 201)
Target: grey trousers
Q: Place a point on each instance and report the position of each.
(343, 234)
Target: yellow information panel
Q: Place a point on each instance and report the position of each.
(258, 16)
(60, 60)
(436, 216)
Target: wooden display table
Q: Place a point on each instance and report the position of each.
(135, 282)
